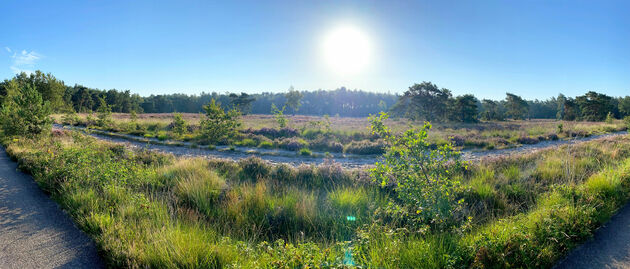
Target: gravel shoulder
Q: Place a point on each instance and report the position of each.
(34, 231)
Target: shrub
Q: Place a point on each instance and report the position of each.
(104, 114)
(247, 142)
(70, 118)
(305, 152)
(254, 168)
(178, 125)
(25, 113)
(278, 114)
(293, 144)
(265, 144)
(218, 124)
(424, 177)
(162, 135)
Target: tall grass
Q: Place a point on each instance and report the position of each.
(146, 209)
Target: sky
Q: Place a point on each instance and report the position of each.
(535, 49)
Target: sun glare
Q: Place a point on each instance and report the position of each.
(346, 50)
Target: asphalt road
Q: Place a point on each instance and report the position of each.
(609, 247)
(34, 231)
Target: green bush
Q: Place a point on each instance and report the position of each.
(305, 152)
(70, 118)
(247, 142)
(424, 177)
(218, 124)
(265, 144)
(178, 124)
(278, 114)
(104, 114)
(25, 113)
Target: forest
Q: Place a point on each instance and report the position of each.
(424, 101)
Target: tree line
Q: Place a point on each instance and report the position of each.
(424, 101)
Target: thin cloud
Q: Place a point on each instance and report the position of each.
(23, 61)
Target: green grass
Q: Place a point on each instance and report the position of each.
(145, 209)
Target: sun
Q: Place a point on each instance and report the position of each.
(346, 50)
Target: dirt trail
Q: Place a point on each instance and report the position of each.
(290, 157)
(34, 231)
(609, 247)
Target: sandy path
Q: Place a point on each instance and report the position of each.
(34, 231)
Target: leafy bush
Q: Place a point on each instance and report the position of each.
(424, 177)
(278, 114)
(25, 113)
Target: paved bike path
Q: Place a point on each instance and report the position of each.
(34, 231)
(609, 247)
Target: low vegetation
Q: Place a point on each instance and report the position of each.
(348, 135)
(421, 206)
(146, 209)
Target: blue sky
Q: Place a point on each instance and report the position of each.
(536, 49)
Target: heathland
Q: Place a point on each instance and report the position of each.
(150, 209)
(420, 206)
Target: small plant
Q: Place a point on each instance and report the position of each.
(627, 121)
(89, 120)
(265, 144)
(179, 124)
(70, 118)
(247, 142)
(219, 124)
(559, 128)
(133, 116)
(305, 152)
(162, 135)
(278, 114)
(104, 114)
